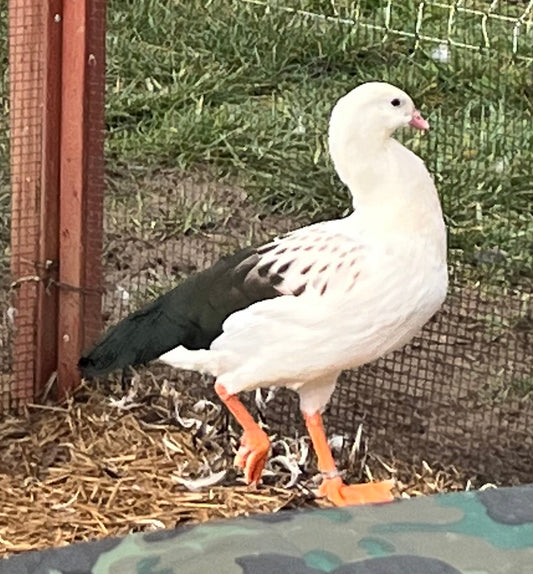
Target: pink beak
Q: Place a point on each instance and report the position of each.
(418, 122)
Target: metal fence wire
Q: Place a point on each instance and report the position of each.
(5, 343)
(51, 121)
(19, 191)
(460, 392)
(216, 118)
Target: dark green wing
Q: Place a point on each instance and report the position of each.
(191, 314)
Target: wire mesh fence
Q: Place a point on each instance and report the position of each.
(216, 120)
(5, 345)
(52, 121)
(24, 94)
(462, 391)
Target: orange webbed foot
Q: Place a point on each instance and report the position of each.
(344, 495)
(253, 454)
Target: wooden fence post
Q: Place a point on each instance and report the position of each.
(81, 188)
(46, 345)
(26, 32)
(57, 79)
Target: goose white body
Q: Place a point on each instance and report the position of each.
(352, 289)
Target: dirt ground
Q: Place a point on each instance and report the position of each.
(453, 410)
(93, 468)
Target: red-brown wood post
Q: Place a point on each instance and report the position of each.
(57, 77)
(46, 339)
(81, 183)
(94, 207)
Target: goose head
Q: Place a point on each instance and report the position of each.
(362, 123)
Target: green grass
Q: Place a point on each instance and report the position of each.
(498, 389)
(247, 91)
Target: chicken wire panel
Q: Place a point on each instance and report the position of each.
(5, 338)
(161, 226)
(462, 391)
(491, 24)
(459, 394)
(486, 144)
(463, 387)
(20, 188)
(465, 382)
(468, 381)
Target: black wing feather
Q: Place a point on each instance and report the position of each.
(191, 315)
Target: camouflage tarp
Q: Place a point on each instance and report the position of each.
(489, 532)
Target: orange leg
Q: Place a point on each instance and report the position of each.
(332, 486)
(253, 452)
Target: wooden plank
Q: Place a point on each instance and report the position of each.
(57, 54)
(94, 208)
(81, 181)
(46, 327)
(72, 174)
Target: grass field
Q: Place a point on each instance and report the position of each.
(247, 91)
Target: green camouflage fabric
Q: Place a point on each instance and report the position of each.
(488, 532)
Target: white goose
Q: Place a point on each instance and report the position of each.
(327, 297)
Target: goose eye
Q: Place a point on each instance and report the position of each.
(396, 102)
